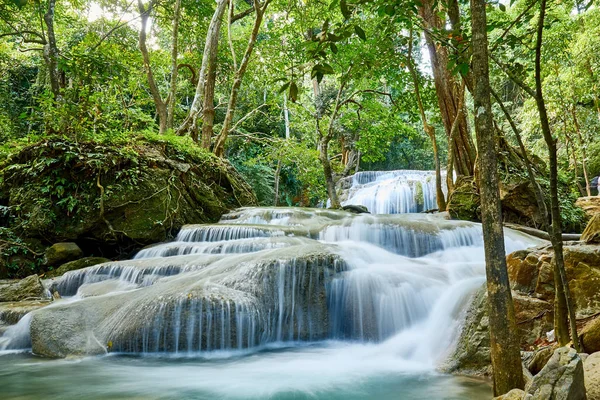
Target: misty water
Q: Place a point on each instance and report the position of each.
(270, 303)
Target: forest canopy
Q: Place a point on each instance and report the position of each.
(298, 93)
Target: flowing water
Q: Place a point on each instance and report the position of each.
(278, 303)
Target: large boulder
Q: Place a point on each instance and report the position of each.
(60, 253)
(75, 265)
(463, 200)
(591, 368)
(114, 199)
(562, 378)
(590, 336)
(30, 288)
(590, 205)
(591, 234)
(191, 303)
(472, 353)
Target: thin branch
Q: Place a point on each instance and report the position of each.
(245, 117)
(513, 77)
(497, 41)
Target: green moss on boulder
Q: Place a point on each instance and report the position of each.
(77, 264)
(60, 253)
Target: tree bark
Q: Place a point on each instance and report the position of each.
(259, 11)
(209, 62)
(583, 152)
(505, 352)
(51, 51)
(448, 93)
(276, 189)
(429, 130)
(556, 228)
(171, 99)
(161, 107)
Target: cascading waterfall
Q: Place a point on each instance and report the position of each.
(394, 285)
(392, 192)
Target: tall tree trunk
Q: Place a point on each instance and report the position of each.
(582, 144)
(171, 100)
(556, 228)
(209, 63)
(429, 130)
(276, 189)
(505, 352)
(561, 325)
(51, 50)
(161, 107)
(286, 116)
(219, 149)
(448, 93)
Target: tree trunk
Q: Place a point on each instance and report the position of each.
(583, 152)
(219, 149)
(209, 60)
(329, 180)
(429, 130)
(161, 107)
(286, 117)
(51, 51)
(448, 92)
(277, 175)
(505, 352)
(174, 53)
(556, 228)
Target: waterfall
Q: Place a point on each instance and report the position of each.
(275, 275)
(391, 192)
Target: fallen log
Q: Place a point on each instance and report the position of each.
(541, 234)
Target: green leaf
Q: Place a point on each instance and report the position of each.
(326, 69)
(345, 10)
(390, 10)
(284, 87)
(333, 48)
(293, 92)
(502, 7)
(361, 34)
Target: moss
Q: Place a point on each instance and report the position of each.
(129, 195)
(419, 197)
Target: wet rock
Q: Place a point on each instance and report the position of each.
(540, 359)
(356, 209)
(77, 264)
(591, 234)
(60, 253)
(472, 353)
(562, 378)
(591, 368)
(590, 336)
(515, 394)
(30, 288)
(231, 304)
(12, 312)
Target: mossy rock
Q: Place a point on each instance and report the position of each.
(75, 265)
(114, 199)
(60, 253)
(463, 201)
(26, 289)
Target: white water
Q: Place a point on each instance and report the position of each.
(280, 303)
(393, 192)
